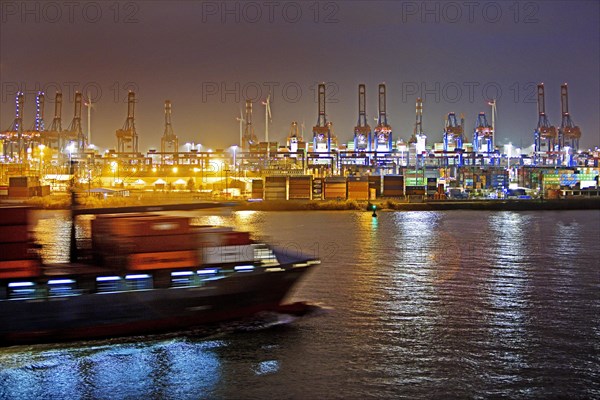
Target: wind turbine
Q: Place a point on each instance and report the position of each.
(241, 121)
(267, 105)
(494, 115)
(89, 106)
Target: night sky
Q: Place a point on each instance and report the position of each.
(206, 56)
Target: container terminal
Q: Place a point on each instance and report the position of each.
(376, 163)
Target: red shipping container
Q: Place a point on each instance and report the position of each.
(14, 251)
(14, 215)
(103, 227)
(14, 233)
(211, 236)
(237, 238)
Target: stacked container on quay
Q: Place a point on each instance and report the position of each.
(145, 273)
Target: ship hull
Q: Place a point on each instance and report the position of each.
(106, 315)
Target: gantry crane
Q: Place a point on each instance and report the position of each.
(169, 141)
(453, 133)
(544, 133)
(453, 136)
(382, 138)
(418, 138)
(53, 138)
(295, 141)
(12, 139)
(483, 135)
(568, 133)
(250, 139)
(362, 131)
(127, 137)
(75, 131)
(32, 137)
(322, 135)
(40, 124)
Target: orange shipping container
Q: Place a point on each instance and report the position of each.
(21, 191)
(143, 244)
(19, 269)
(335, 190)
(358, 190)
(156, 226)
(164, 259)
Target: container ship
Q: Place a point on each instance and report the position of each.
(144, 274)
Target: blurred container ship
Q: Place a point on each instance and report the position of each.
(145, 273)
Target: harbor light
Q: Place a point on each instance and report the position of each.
(41, 148)
(114, 167)
(190, 146)
(234, 148)
(71, 148)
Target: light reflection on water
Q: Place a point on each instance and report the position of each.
(53, 229)
(167, 369)
(424, 304)
(507, 292)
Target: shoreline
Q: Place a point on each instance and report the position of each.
(433, 205)
(588, 203)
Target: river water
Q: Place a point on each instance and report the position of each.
(412, 305)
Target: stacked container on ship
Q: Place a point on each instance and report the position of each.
(17, 259)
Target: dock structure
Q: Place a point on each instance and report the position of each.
(53, 159)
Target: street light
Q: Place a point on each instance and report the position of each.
(234, 148)
(226, 183)
(114, 168)
(71, 149)
(567, 151)
(41, 147)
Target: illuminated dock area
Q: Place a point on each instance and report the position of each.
(375, 164)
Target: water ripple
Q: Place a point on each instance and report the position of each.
(423, 305)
